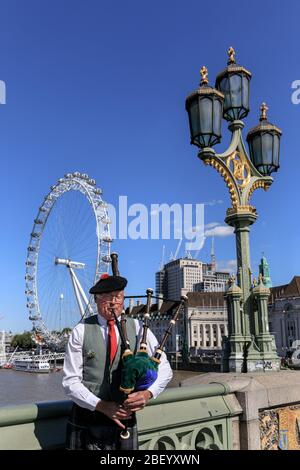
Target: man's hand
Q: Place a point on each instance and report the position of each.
(114, 411)
(137, 401)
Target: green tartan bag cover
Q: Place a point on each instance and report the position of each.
(139, 372)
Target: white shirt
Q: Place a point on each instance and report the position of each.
(73, 365)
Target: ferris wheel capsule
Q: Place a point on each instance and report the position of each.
(30, 305)
(34, 318)
(103, 204)
(107, 239)
(106, 220)
(98, 191)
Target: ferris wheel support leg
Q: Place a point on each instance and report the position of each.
(83, 295)
(77, 293)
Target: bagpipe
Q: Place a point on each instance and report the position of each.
(140, 370)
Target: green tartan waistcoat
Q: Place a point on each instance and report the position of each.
(99, 376)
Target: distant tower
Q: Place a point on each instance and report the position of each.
(212, 256)
(265, 271)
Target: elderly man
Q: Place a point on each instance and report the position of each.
(92, 374)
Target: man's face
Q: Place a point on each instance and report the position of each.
(106, 303)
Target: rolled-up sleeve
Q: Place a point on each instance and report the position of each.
(72, 372)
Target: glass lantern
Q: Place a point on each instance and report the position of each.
(205, 108)
(234, 83)
(264, 144)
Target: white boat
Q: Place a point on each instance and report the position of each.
(31, 365)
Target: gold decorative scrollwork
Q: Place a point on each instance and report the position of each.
(259, 184)
(240, 168)
(225, 173)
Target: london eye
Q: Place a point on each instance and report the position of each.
(69, 250)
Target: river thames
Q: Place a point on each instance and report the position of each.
(22, 387)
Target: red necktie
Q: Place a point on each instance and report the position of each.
(112, 340)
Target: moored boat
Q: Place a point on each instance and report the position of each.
(31, 365)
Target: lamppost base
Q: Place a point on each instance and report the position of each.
(235, 353)
(264, 365)
(237, 364)
(242, 354)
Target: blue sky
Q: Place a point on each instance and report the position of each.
(99, 87)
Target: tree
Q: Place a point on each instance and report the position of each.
(24, 341)
(66, 330)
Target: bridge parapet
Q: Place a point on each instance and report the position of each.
(196, 417)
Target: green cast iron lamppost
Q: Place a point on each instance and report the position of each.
(249, 346)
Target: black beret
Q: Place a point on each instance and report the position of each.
(108, 284)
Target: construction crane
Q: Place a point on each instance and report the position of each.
(162, 258)
(177, 249)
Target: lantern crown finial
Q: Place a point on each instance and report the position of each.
(264, 108)
(231, 55)
(204, 73)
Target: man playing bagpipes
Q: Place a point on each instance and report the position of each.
(107, 389)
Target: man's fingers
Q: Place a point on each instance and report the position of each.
(137, 409)
(119, 423)
(133, 406)
(134, 403)
(132, 397)
(123, 414)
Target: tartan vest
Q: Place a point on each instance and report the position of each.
(99, 376)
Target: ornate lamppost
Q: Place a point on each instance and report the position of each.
(249, 345)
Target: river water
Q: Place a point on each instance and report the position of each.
(23, 387)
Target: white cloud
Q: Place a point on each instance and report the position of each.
(220, 231)
(211, 225)
(227, 266)
(213, 202)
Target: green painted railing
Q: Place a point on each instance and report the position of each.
(195, 417)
